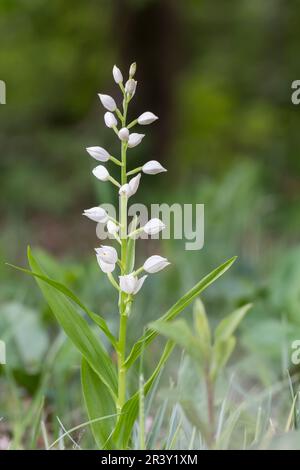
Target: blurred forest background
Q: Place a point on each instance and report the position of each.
(218, 74)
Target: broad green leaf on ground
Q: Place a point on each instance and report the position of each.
(122, 432)
(68, 293)
(77, 329)
(230, 323)
(99, 404)
(180, 305)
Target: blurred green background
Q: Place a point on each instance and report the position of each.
(218, 74)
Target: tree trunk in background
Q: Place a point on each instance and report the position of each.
(149, 32)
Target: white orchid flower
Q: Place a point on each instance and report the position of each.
(134, 184)
(108, 254)
(98, 153)
(110, 119)
(146, 118)
(130, 86)
(132, 70)
(117, 74)
(123, 134)
(135, 139)
(130, 284)
(153, 168)
(129, 189)
(112, 228)
(97, 214)
(101, 173)
(155, 263)
(153, 226)
(108, 102)
(105, 267)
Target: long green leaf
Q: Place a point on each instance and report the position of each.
(229, 324)
(68, 293)
(99, 403)
(179, 332)
(77, 329)
(180, 305)
(122, 432)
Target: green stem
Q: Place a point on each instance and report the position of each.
(123, 308)
(136, 170)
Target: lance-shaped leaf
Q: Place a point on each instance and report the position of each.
(180, 333)
(129, 412)
(68, 293)
(180, 305)
(99, 404)
(77, 329)
(227, 327)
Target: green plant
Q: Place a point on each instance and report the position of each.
(210, 352)
(112, 412)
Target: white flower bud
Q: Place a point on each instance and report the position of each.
(105, 267)
(147, 118)
(132, 70)
(134, 184)
(108, 102)
(98, 153)
(135, 139)
(130, 86)
(117, 74)
(155, 263)
(101, 173)
(124, 190)
(110, 119)
(97, 214)
(152, 168)
(108, 254)
(112, 228)
(153, 227)
(129, 189)
(131, 284)
(123, 134)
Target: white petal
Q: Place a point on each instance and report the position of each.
(130, 86)
(105, 267)
(155, 263)
(139, 284)
(153, 167)
(101, 173)
(132, 70)
(128, 283)
(134, 184)
(110, 119)
(108, 254)
(147, 118)
(108, 102)
(117, 74)
(97, 214)
(98, 153)
(154, 226)
(135, 139)
(112, 228)
(124, 190)
(123, 134)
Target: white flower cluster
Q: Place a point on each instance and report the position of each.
(107, 256)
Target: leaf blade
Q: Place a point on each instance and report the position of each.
(78, 330)
(180, 305)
